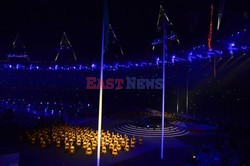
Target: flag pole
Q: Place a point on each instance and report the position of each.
(210, 36)
(177, 93)
(187, 92)
(101, 92)
(163, 86)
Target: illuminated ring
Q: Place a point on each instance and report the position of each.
(170, 131)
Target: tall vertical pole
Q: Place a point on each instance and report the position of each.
(177, 92)
(177, 102)
(187, 89)
(214, 66)
(101, 95)
(163, 86)
(210, 36)
(187, 94)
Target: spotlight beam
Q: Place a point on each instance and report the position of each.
(164, 54)
(101, 85)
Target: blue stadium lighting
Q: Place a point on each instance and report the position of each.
(190, 56)
(93, 65)
(31, 67)
(172, 37)
(199, 55)
(156, 42)
(219, 52)
(173, 58)
(243, 47)
(196, 53)
(157, 61)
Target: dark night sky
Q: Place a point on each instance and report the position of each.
(41, 23)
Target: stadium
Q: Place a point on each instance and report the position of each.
(176, 94)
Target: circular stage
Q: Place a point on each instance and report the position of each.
(170, 131)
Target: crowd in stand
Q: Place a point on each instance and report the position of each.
(228, 151)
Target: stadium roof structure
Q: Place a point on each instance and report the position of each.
(18, 49)
(66, 52)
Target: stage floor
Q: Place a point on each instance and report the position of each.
(34, 155)
(178, 150)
